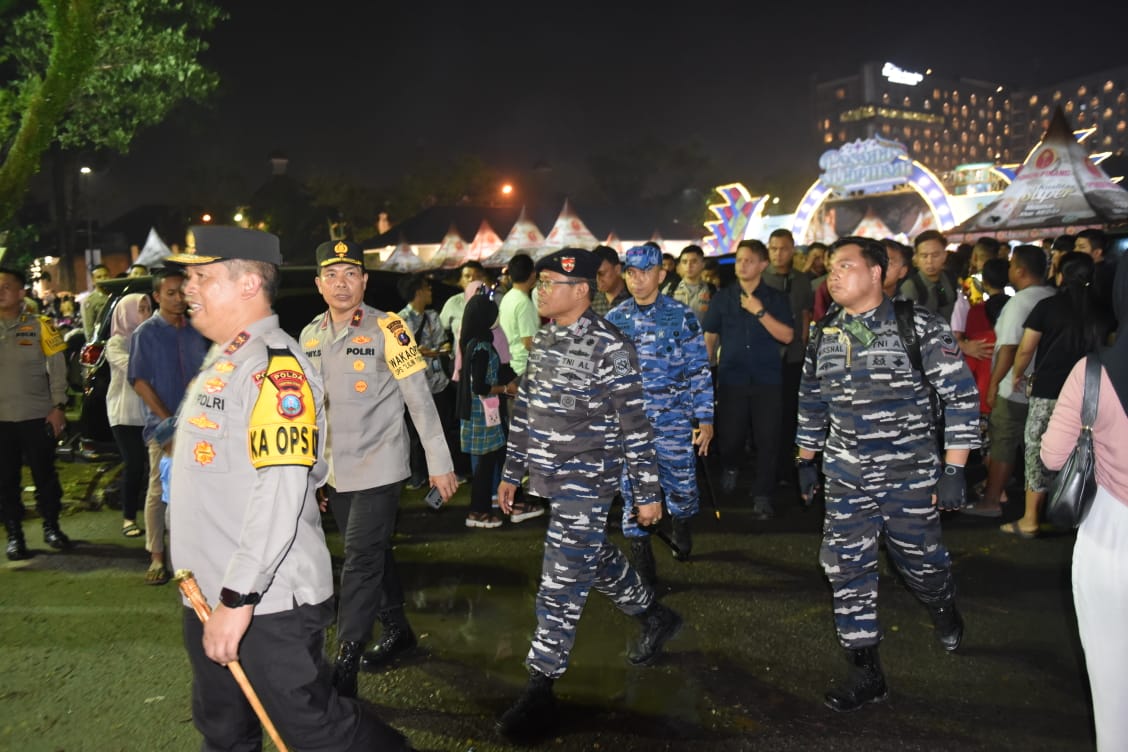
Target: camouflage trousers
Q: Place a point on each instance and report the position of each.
(677, 475)
(854, 520)
(578, 557)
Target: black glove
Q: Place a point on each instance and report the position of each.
(808, 479)
(951, 491)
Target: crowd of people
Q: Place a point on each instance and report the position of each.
(869, 373)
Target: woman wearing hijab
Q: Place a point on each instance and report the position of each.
(481, 409)
(1100, 555)
(125, 409)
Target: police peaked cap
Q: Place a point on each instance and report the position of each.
(208, 244)
(571, 262)
(340, 252)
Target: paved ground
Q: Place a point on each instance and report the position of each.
(92, 660)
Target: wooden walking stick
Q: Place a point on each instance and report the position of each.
(191, 590)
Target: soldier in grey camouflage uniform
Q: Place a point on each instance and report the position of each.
(578, 419)
(865, 405)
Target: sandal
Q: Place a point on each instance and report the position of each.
(130, 530)
(1012, 528)
(156, 575)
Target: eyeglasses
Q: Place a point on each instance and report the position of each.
(545, 285)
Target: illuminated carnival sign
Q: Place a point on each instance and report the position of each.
(734, 217)
(869, 166)
(894, 74)
(921, 180)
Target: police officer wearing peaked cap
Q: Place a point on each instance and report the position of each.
(583, 383)
(372, 368)
(247, 459)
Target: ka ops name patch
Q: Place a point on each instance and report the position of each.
(283, 428)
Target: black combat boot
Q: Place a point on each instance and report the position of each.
(682, 538)
(642, 559)
(533, 716)
(396, 640)
(54, 537)
(344, 670)
(659, 625)
(949, 625)
(17, 546)
(864, 682)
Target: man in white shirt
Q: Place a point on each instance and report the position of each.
(1008, 405)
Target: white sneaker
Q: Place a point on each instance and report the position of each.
(523, 511)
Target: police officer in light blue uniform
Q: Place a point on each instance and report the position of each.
(679, 392)
(578, 421)
(865, 404)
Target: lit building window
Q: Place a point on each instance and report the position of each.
(1082, 91)
(963, 111)
(840, 93)
(928, 104)
(908, 102)
(1069, 107)
(1057, 96)
(947, 109)
(886, 128)
(982, 114)
(828, 138)
(826, 124)
(842, 135)
(1109, 86)
(956, 97)
(1082, 118)
(1121, 127)
(907, 132)
(885, 97)
(973, 152)
(1122, 98)
(1107, 140)
(916, 145)
(982, 139)
(1033, 99)
(1045, 110)
(1107, 113)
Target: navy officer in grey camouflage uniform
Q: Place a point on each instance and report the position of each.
(579, 418)
(864, 404)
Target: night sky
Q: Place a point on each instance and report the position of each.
(367, 90)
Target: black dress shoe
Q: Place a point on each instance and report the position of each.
(54, 537)
(949, 625)
(17, 546)
(396, 640)
(344, 670)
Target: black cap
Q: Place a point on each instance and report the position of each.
(571, 262)
(340, 252)
(208, 244)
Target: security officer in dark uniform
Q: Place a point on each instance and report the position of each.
(246, 463)
(33, 398)
(866, 406)
(372, 368)
(578, 421)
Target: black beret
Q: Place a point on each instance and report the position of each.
(571, 262)
(340, 252)
(208, 244)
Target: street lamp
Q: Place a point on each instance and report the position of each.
(86, 171)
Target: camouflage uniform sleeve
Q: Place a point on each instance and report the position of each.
(697, 368)
(813, 409)
(619, 370)
(947, 372)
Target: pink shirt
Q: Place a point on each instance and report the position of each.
(1109, 432)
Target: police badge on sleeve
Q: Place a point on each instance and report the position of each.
(283, 429)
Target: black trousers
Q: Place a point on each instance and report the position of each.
(135, 475)
(283, 657)
(483, 487)
(756, 406)
(370, 584)
(445, 405)
(21, 441)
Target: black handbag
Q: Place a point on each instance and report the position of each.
(1073, 489)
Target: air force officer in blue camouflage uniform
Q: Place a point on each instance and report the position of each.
(865, 405)
(579, 418)
(679, 391)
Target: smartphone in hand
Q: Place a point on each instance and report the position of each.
(434, 499)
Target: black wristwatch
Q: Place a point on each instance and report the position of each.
(804, 462)
(231, 599)
(760, 313)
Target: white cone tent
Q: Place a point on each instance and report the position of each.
(452, 251)
(402, 259)
(485, 242)
(1057, 188)
(613, 241)
(154, 251)
(523, 237)
(568, 232)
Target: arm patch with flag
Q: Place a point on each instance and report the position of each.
(283, 428)
(400, 351)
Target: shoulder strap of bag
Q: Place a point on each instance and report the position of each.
(1092, 392)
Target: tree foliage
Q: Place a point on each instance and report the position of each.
(89, 74)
